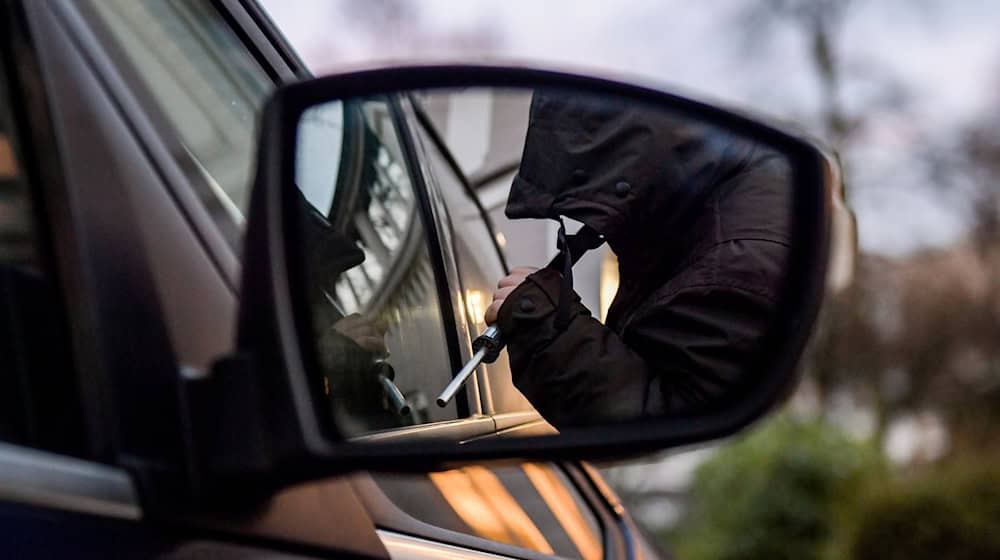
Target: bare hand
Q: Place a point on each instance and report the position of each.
(364, 331)
(507, 285)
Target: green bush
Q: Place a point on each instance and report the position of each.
(775, 493)
(948, 514)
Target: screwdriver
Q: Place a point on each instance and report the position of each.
(486, 348)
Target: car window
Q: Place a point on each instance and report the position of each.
(374, 297)
(204, 80)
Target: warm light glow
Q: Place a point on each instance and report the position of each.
(609, 281)
(475, 305)
(501, 240)
(559, 499)
(8, 166)
(484, 504)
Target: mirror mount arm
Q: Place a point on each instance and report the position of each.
(229, 440)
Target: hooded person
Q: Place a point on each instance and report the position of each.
(699, 220)
(348, 346)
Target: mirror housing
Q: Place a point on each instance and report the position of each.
(255, 424)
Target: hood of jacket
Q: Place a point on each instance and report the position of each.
(327, 253)
(654, 183)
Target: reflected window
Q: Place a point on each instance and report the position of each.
(380, 337)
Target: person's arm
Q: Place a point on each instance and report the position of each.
(684, 351)
(582, 375)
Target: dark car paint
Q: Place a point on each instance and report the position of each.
(128, 227)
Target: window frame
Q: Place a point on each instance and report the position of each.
(433, 223)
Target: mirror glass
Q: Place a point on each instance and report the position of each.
(410, 204)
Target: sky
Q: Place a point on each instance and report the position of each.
(919, 70)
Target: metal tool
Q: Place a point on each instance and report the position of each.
(486, 349)
(393, 396)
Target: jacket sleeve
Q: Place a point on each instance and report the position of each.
(683, 352)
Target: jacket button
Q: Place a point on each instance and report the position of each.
(526, 305)
(622, 188)
(579, 177)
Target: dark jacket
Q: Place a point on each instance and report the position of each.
(699, 220)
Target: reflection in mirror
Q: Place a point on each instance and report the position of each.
(371, 291)
(695, 219)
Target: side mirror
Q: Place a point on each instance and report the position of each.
(720, 224)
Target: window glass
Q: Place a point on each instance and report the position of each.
(205, 81)
(372, 288)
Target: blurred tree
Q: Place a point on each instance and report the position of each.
(976, 420)
(848, 348)
(820, 22)
(916, 333)
(951, 514)
(775, 493)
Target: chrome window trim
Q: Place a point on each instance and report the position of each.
(405, 547)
